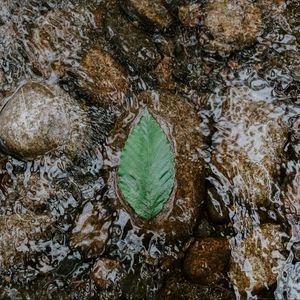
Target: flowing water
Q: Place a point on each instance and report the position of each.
(64, 234)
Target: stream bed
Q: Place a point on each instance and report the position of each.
(150, 149)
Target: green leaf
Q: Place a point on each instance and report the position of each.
(147, 168)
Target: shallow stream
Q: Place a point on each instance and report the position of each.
(221, 78)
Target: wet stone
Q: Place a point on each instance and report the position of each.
(190, 68)
(103, 77)
(247, 150)
(55, 41)
(255, 259)
(179, 215)
(190, 15)
(33, 191)
(291, 192)
(204, 229)
(176, 287)
(163, 74)
(294, 139)
(206, 260)
(17, 233)
(134, 47)
(296, 251)
(231, 25)
(153, 14)
(91, 230)
(216, 206)
(271, 7)
(39, 118)
(173, 5)
(105, 273)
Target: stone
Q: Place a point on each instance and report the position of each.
(231, 25)
(190, 15)
(191, 69)
(177, 288)
(271, 8)
(33, 191)
(204, 229)
(254, 259)
(133, 46)
(153, 14)
(296, 251)
(105, 273)
(163, 73)
(294, 138)
(39, 118)
(247, 150)
(206, 260)
(216, 206)
(56, 40)
(16, 234)
(291, 192)
(103, 77)
(11, 49)
(173, 5)
(91, 230)
(181, 124)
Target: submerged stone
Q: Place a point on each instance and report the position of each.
(271, 7)
(190, 15)
(38, 118)
(254, 259)
(206, 260)
(16, 233)
(291, 192)
(56, 40)
(34, 191)
(177, 287)
(247, 150)
(106, 273)
(231, 25)
(134, 47)
(91, 230)
(180, 123)
(103, 77)
(151, 13)
(163, 73)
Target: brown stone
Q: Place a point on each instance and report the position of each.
(91, 230)
(206, 260)
(103, 77)
(271, 7)
(40, 118)
(105, 273)
(291, 192)
(33, 191)
(294, 138)
(151, 13)
(163, 74)
(178, 288)
(181, 124)
(134, 48)
(254, 258)
(16, 231)
(232, 25)
(248, 148)
(56, 39)
(190, 15)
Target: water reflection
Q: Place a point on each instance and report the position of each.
(63, 232)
